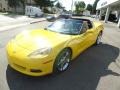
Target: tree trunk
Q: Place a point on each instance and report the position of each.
(15, 10)
(24, 8)
(42, 8)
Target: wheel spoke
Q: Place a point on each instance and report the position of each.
(64, 61)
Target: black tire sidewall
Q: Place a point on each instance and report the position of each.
(100, 34)
(55, 68)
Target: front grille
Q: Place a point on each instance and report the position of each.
(35, 70)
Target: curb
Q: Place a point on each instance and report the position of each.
(37, 21)
(6, 28)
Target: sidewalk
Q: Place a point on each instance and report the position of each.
(10, 21)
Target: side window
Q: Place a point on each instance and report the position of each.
(84, 28)
(89, 24)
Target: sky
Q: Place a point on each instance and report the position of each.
(67, 3)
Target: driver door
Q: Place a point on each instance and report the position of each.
(84, 37)
(78, 42)
(87, 36)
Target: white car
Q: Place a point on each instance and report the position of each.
(33, 11)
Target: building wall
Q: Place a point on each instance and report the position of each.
(104, 3)
(30, 2)
(109, 7)
(86, 13)
(4, 6)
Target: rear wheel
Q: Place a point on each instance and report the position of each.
(62, 61)
(99, 38)
(36, 15)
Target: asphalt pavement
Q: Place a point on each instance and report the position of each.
(97, 68)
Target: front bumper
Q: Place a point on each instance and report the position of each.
(26, 68)
(22, 63)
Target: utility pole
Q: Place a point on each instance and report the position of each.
(72, 6)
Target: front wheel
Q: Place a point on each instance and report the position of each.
(36, 15)
(62, 61)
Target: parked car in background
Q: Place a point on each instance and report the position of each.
(112, 17)
(65, 15)
(59, 16)
(51, 18)
(93, 16)
(32, 11)
(86, 13)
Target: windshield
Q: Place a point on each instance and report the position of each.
(66, 26)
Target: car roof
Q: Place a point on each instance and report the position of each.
(72, 20)
(78, 19)
(82, 19)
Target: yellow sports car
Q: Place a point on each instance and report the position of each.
(40, 52)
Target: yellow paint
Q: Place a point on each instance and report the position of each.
(19, 48)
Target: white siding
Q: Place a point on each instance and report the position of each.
(104, 3)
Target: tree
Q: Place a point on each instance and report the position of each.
(79, 6)
(15, 3)
(89, 7)
(59, 5)
(44, 3)
(82, 4)
(95, 5)
(23, 2)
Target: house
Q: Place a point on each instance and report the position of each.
(5, 8)
(86, 13)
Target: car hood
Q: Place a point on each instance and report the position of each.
(37, 39)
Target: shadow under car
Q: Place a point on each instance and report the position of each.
(83, 74)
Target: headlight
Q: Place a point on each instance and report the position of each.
(42, 51)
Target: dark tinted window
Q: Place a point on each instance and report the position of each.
(85, 27)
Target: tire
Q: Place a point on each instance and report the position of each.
(98, 40)
(62, 61)
(36, 15)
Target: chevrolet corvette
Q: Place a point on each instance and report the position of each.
(44, 51)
